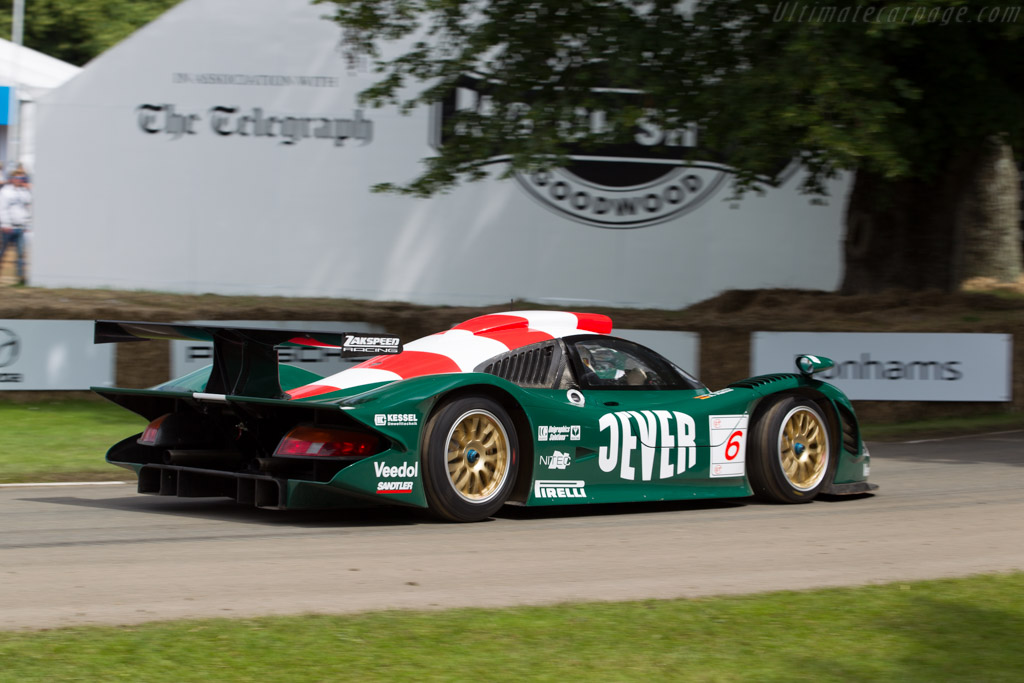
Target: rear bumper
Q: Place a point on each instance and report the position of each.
(258, 490)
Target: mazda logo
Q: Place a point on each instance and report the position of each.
(10, 345)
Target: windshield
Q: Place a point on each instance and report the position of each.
(609, 362)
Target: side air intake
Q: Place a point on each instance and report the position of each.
(762, 380)
(534, 366)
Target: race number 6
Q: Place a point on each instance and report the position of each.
(733, 445)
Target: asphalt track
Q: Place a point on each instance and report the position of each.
(106, 555)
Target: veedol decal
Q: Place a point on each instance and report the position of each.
(630, 431)
(393, 471)
(403, 472)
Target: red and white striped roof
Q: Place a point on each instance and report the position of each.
(461, 348)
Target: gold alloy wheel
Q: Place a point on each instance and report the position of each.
(803, 449)
(478, 456)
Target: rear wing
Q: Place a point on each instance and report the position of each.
(245, 358)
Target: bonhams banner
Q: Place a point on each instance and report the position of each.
(53, 355)
(897, 366)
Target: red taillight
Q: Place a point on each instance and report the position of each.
(148, 437)
(317, 441)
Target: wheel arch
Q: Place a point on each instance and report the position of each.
(827, 406)
(524, 432)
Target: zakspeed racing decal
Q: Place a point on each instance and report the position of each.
(630, 430)
(547, 433)
(728, 456)
(359, 344)
(557, 461)
(559, 489)
(403, 471)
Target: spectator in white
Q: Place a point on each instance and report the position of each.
(15, 218)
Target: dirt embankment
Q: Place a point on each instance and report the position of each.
(724, 323)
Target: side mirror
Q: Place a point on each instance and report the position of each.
(809, 365)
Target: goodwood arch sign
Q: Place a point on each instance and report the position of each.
(633, 185)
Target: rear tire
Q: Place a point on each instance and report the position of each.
(470, 459)
(792, 457)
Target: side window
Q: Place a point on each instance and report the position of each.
(607, 362)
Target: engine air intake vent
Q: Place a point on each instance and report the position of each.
(762, 380)
(529, 367)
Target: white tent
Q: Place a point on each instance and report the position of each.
(30, 74)
(222, 148)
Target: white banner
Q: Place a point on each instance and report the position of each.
(897, 366)
(222, 149)
(53, 355)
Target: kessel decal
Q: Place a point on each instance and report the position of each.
(395, 420)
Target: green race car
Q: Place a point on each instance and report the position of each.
(527, 407)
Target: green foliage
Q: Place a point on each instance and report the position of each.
(893, 88)
(78, 30)
(950, 630)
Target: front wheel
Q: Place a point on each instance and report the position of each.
(470, 459)
(792, 458)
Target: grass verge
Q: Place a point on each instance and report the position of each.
(949, 630)
(947, 426)
(62, 440)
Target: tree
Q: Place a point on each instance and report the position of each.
(78, 30)
(919, 100)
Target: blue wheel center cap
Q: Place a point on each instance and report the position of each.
(472, 456)
(799, 448)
